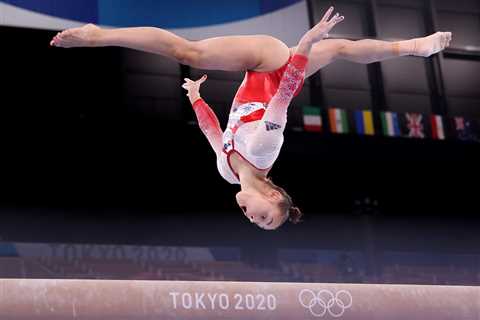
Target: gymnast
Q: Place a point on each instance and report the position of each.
(248, 148)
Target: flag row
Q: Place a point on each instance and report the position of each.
(390, 124)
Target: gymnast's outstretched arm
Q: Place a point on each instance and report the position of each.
(269, 135)
(207, 120)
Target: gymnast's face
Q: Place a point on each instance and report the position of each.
(262, 209)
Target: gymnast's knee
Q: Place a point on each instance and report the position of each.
(342, 48)
(188, 53)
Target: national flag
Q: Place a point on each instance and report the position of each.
(390, 124)
(459, 127)
(338, 120)
(465, 129)
(438, 130)
(364, 122)
(415, 125)
(312, 119)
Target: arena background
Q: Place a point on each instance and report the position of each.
(102, 159)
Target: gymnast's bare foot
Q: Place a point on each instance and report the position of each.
(85, 36)
(432, 44)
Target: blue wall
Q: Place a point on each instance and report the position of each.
(166, 14)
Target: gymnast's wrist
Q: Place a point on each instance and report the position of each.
(194, 98)
(307, 39)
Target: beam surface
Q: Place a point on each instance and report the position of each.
(107, 299)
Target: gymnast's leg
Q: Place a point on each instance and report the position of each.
(368, 51)
(234, 53)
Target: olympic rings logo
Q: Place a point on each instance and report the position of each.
(325, 301)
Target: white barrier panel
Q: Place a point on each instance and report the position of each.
(103, 299)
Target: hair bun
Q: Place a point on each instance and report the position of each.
(295, 215)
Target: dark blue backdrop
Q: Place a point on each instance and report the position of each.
(167, 14)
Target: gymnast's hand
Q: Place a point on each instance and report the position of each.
(321, 30)
(193, 88)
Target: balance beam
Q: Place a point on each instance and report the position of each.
(124, 299)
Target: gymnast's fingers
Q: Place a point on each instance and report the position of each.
(202, 79)
(327, 14)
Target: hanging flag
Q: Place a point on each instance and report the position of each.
(364, 122)
(438, 131)
(466, 130)
(390, 124)
(459, 126)
(474, 127)
(312, 119)
(338, 120)
(415, 125)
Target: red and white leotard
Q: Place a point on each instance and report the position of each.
(262, 86)
(257, 118)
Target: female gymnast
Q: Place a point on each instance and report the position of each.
(275, 73)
